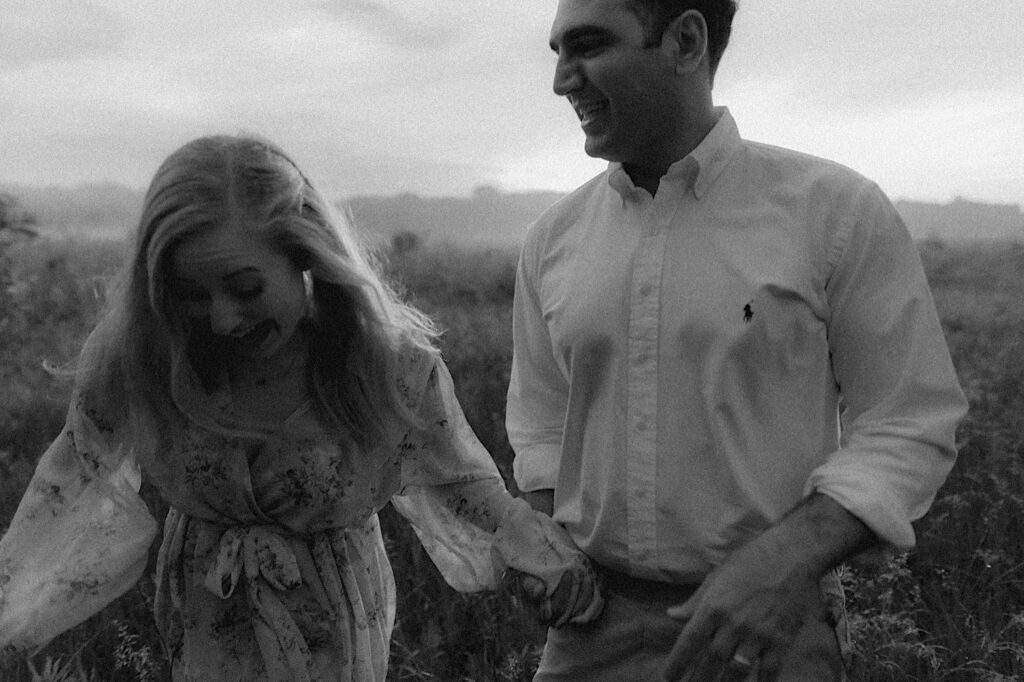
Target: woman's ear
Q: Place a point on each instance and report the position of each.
(689, 35)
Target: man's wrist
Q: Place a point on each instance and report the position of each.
(816, 536)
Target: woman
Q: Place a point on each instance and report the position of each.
(274, 391)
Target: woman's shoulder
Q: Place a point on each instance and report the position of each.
(96, 420)
(414, 367)
(99, 394)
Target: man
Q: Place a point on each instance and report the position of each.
(729, 375)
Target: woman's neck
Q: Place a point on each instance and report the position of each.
(268, 393)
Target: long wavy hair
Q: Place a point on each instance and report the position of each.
(139, 362)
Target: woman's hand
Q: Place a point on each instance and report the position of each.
(537, 560)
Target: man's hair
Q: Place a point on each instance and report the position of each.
(657, 14)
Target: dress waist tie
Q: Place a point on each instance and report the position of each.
(269, 565)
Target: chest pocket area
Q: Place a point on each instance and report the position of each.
(777, 330)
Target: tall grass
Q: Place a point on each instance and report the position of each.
(951, 610)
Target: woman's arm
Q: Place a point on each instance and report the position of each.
(78, 539)
(473, 528)
(534, 555)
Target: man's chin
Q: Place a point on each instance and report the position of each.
(597, 148)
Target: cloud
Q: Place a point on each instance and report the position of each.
(409, 26)
(877, 54)
(438, 96)
(33, 31)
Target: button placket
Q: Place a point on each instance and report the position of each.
(642, 399)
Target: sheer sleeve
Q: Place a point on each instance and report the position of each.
(79, 537)
(437, 459)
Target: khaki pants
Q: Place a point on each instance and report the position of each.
(633, 637)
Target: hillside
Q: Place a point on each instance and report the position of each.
(486, 217)
(103, 211)
(962, 220)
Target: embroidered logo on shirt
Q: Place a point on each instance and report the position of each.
(748, 312)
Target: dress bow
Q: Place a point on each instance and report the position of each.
(257, 550)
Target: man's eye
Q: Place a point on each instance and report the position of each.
(588, 48)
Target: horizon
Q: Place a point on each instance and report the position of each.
(487, 216)
(13, 187)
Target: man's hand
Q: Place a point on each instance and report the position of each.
(570, 590)
(745, 614)
(538, 561)
(748, 610)
(561, 607)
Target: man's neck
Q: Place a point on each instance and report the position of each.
(645, 178)
(697, 127)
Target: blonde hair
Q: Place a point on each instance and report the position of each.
(137, 363)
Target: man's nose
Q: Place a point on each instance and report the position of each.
(567, 76)
(225, 316)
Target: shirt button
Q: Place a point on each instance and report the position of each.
(645, 290)
(641, 426)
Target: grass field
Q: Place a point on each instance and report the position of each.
(951, 610)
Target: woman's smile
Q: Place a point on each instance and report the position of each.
(251, 341)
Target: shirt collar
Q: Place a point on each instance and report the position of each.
(698, 169)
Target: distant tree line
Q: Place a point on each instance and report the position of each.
(14, 220)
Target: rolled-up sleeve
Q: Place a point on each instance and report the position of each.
(538, 388)
(900, 402)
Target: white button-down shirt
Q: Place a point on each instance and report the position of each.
(689, 366)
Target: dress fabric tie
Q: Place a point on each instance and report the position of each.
(273, 567)
(269, 565)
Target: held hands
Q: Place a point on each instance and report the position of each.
(537, 560)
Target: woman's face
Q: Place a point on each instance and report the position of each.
(250, 297)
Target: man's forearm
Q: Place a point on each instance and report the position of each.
(817, 535)
(819, 532)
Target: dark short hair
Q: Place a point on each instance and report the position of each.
(718, 15)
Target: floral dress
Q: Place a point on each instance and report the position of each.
(272, 564)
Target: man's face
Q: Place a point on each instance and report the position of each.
(618, 87)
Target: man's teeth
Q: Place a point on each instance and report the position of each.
(587, 112)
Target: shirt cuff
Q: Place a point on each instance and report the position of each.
(536, 467)
(879, 509)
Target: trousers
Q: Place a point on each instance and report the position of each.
(634, 635)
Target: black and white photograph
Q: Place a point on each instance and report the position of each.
(548, 340)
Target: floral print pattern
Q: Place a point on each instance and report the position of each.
(271, 565)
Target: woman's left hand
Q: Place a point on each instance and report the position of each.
(538, 561)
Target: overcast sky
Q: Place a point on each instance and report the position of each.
(437, 97)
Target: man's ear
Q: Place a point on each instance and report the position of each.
(688, 34)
